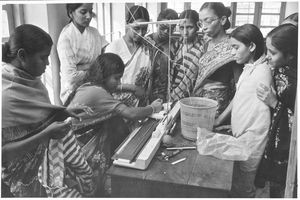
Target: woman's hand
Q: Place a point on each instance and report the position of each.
(267, 95)
(139, 91)
(78, 109)
(157, 105)
(58, 130)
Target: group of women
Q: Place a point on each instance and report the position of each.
(64, 150)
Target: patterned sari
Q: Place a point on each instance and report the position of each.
(184, 69)
(137, 70)
(26, 111)
(211, 61)
(98, 134)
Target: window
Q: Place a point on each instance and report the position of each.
(265, 15)
(5, 27)
(7, 22)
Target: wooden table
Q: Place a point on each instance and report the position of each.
(197, 176)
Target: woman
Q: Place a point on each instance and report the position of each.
(217, 70)
(185, 66)
(28, 118)
(78, 46)
(101, 132)
(282, 54)
(136, 57)
(161, 54)
(250, 117)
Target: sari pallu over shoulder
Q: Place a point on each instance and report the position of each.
(26, 111)
(209, 63)
(184, 69)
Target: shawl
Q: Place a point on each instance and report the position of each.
(21, 113)
(26, 111)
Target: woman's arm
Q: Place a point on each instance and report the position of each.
(137, 113)
(16, 149)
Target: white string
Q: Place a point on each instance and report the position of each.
(168, 56)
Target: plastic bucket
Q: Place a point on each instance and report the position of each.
(196, 112)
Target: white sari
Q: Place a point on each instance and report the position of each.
(137, 68)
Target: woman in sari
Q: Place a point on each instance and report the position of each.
(29, 120)
(136, 57)
(102, 131)
(217, 69)
(190, 48)
(282, 52)
(160, 57)
(78, 46)
(250, 117)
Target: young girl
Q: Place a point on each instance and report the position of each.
(185, 67)
(78, 46)
(28, 118)
(100, 133)
(282, 52)
(250, 117)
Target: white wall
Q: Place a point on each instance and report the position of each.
(291, 7)
(118, 20)
(36, 14)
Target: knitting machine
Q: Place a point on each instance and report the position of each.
(140, 146)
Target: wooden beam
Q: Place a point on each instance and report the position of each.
(292, 163)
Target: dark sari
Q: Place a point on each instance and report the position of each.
(273, 166)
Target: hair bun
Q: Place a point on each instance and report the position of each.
(228, 12)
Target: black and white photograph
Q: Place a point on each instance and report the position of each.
(149, 99)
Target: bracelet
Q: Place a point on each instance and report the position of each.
(121, 87)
